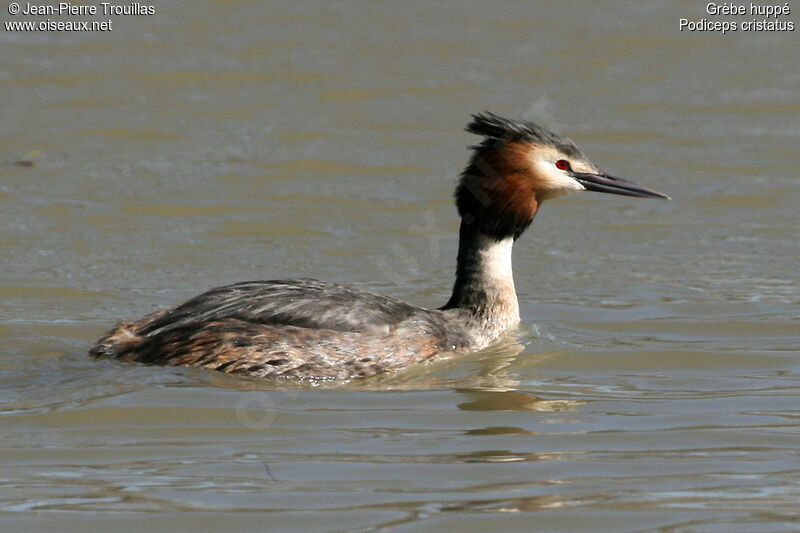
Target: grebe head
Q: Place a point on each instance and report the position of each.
(516, 167)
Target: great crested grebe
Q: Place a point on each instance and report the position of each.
(305, 328)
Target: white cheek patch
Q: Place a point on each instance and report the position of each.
(554, 181)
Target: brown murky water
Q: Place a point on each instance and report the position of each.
(655, 382)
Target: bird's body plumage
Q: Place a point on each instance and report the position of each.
(289, 327)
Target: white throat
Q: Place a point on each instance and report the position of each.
(494, 259)
(484, 285)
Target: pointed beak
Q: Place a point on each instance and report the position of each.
(604, 183)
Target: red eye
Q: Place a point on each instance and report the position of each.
(562, 164)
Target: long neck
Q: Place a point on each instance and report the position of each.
(484, 285)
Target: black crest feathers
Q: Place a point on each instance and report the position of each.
(496, 128)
